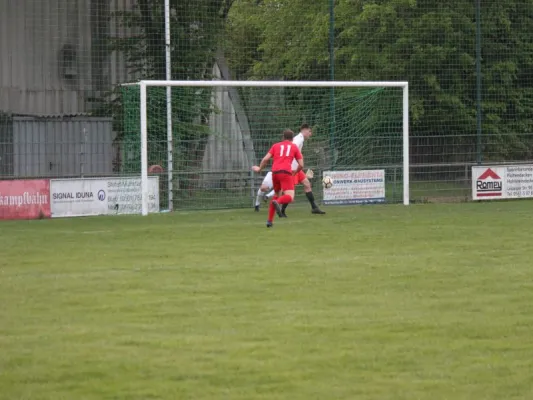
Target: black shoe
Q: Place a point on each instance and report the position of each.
(317, 211)
(277, 207)
(256, 208)
(283, 215)
(269, 224)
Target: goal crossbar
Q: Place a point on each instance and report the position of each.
(218, 83)
(143, 84)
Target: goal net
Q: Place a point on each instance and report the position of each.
(202, 137)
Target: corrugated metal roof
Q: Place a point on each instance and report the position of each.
(70, 117)
(43, 102)
(73, 117)
(56, 116)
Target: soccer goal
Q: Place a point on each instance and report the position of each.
(202, 137)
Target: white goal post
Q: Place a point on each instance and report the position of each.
(220, 83)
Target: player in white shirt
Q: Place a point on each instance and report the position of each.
(265, 187)
(301, 177)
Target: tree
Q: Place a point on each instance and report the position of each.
(278, 39)
(196, 29)
(430, 43)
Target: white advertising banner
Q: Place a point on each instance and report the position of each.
(101, 196)
(502, 182)
(355, 187)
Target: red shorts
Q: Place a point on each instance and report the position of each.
(299, 178)
(282, 181)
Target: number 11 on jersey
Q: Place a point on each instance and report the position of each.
(287, 152)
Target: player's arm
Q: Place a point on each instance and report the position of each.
(263, 163)
(300, 165)
(300, 160)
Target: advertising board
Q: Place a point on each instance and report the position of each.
(355, 187)
(25, 199)
(502, 182)
(101, 196)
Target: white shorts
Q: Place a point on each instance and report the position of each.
(268, 181)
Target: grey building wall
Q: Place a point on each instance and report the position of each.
(56, 147)
(53, 54)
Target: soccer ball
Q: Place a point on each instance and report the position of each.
(327, 182)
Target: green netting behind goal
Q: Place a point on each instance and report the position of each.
(219, 133)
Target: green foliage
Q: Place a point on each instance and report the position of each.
(196, 29)
(191, 107)
(284, 39)
(430, 43)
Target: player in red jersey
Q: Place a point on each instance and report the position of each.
(283, 154)
(300, 177)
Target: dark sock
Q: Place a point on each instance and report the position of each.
(311, 199)
(284, 206)
(271, 209)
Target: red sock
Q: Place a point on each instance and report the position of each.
(285, 199)
(271, 209)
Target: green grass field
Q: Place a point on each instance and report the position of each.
(429, 301)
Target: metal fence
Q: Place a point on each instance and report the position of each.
(469, 66)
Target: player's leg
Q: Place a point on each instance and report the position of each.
(258, 199)
(309, 194)
(272, 209)
(262, 195)
(287, 198)
(270, 194)
(266, 185)
(287, 185)
(297, 179)
(301, 178)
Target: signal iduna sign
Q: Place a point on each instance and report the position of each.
(100, 196)
(502, 182)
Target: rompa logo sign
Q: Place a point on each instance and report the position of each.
(489, 184)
